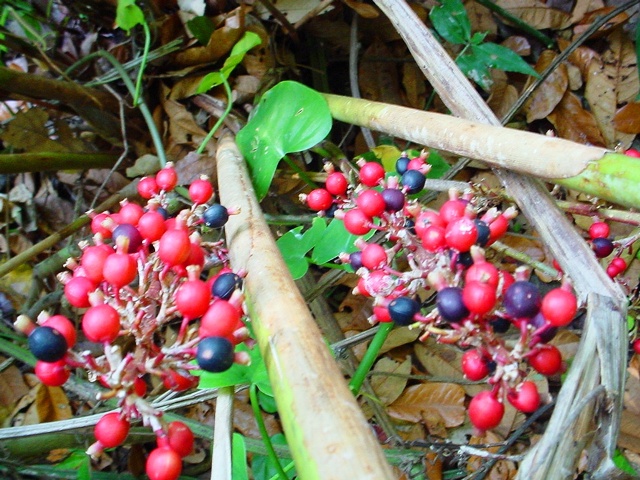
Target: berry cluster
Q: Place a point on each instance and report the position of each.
(603, 246)
(142, 273)
(471, 301)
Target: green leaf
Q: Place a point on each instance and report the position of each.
(451, 21)
(261, 464)
(239, 50)
(289, 118)
(201, 27)
(478, 38)
(239, 468)
(294, 245)
(623, 463)
(238, 374)
(335, 240)
(128, 15)
(503, 58)
(476, 69)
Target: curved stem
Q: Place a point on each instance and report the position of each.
(143, 63)
(271, 453)
(370, 357)
(227, 89)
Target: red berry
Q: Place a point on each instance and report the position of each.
(92, 261)
(559, 306)
(632, 152)
(427, 218)
(192, 298)
(452, 210)
(219, 320)
(179, 382)
(371, 202)
(163, 464)
(415, 164)
(336, 184)
(130, 213)
(474, 365)
(525, 397)
(147, 187)
(382, 313)
(167, 179)
(98, 227)
(357, 222)
(101, 323)
(373, 256)
(461, 234)
(636, 346)
(371, 285)
(371, 173)
(498, 228)
(152, 225)
(111, 430)
(599, 230)
(174, 247)
(319, 199)
(77, 291)
(63, 325)
(120, 269)
(479, 297)
(483, 272)
(196, 255)
(52, 374)
(200, 191)
(433, 238)
(180, 438)
(485, 411)
(546, 360)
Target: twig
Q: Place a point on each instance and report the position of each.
(222, 430)
(353, 75)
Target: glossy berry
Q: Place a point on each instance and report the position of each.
(215, 354)
(479, 297)
(111, 430)
(120, 269)
(525, 397)
(179, 381)
(167, 179)
(215, 216)
(357, 222)
(602, 247)
(130, 213)
(373, 256)
(372, 203)
(632, 152)
(147, 187)
(402, 164)
(200, 191)
(180, 438)
(474, 365)
(599, 230)
(77, 291)
(636, 346)
(433, 238)
(452, 210)
(461, 234)
(163, 464)
(355, 260)
(450, 304)
(482, 271)
(336, 184)
(319, 199)
(559, 306)
(547, 360)
(101, 323)
(371, 173)
(98, 227)
(403, 309)
(522, 299)
(220, 320)
(174, 247)
(616, 266)
(225, 284)
(485, 411)
(92, 262)
(47, 344)
(152, 225)
(393, 199)
(484, 232)
(63, 325)
(132, 235)
(498, 228)
(413, 181)
(52, 374)
(382, 314)
(544, 330)
(192, 298)
(427, 218)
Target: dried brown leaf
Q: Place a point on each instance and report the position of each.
(221, 42)
(573, 122)
(591, 17)
(537, 14)
(389, 387)
(398, 337)
(502, 98)
(379, 79)
(621, 65)
(414, 85)
(481, 18)
(550, 93)
(518, 44)
(627, 118)
(447, 399)
(27, 132)
(363, 9)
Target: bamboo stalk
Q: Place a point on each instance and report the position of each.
(604, 359)
(328, 434)
(48, 161)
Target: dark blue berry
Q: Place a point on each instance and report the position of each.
(500, 325)
(522, 300)
(355, 260)
(602, 247)
(464, 259)
(410, 225)
(131, 233)
(47, 344)
(215, 354)
(224, 286)
(538, 321)
(403, 309)
(483, 232)
(402, 164)
(331, 211)
(215, 216)
(413, 180)
(393, 199)
(450, 305)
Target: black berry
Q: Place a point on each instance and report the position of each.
(522, 299)
(393, 199)
(355, 260)
(602, 247)
(402, 310)
(413, 180)
(215, 216)
(215, 354)
(483, 232)
(450, 305)
(401, 164)
(47, 344)
(225, 285)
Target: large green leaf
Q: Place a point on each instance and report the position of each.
(294, 246)
(451, 21)
(128, 15)
(289, 118)
(503, 58)
(335, 240)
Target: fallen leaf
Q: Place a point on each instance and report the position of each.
(434, 422)
(378, 80)
(545, 98)
(398, 337)
(627, 118)
(363, 9)
(518, 44)
(591, 17)
(389, 387)
(502, 98)
(573, 122)
(27, 132)
(481, 18)
(447, 399)
(621, 65)
(537, 14)
(414, 85)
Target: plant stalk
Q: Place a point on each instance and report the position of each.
(370, 357)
